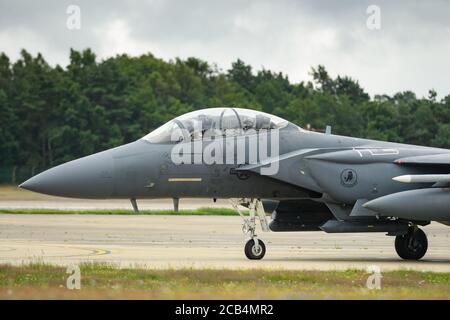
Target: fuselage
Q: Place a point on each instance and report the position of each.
(142, 169)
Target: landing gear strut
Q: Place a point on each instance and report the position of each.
(412, 245)
(255, 249)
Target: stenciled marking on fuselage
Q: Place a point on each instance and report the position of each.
(376, 151)
(184, 179)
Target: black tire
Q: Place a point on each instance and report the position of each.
(251, 251)
(413, 245)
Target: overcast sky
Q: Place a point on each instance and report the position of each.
(411, 50)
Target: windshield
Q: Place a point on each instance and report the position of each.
(213, 122)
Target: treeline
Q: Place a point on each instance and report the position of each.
(49, 115)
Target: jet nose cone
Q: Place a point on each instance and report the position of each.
(31, 184)
(89, 177)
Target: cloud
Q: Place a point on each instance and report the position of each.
(410, 52)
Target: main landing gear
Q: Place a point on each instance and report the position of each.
(412, 245)
(254, 249)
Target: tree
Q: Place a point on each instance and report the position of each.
(322, 79)
(241, 74)
(442, 138)
(49, 115)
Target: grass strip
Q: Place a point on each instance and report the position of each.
(101, 281)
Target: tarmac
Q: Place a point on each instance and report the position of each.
(199, 242)
(29, 200)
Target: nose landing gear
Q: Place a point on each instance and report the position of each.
(412, 245)
(254, 249)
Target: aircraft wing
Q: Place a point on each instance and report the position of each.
(296, 167)
(428, 203)
(300, 168)
(442, 159)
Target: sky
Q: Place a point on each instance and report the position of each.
(407, 48)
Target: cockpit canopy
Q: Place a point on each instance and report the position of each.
(214, 122)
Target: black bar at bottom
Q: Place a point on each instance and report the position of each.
(225, 309)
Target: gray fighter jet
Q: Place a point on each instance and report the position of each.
(308, 181)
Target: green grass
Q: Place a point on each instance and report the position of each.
(196, 212)
(8, 192)
(99, 281)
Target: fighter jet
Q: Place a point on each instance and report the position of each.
(307, 181)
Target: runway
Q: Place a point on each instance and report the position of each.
(198, 242)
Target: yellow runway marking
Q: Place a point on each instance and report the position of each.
(100, 252)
